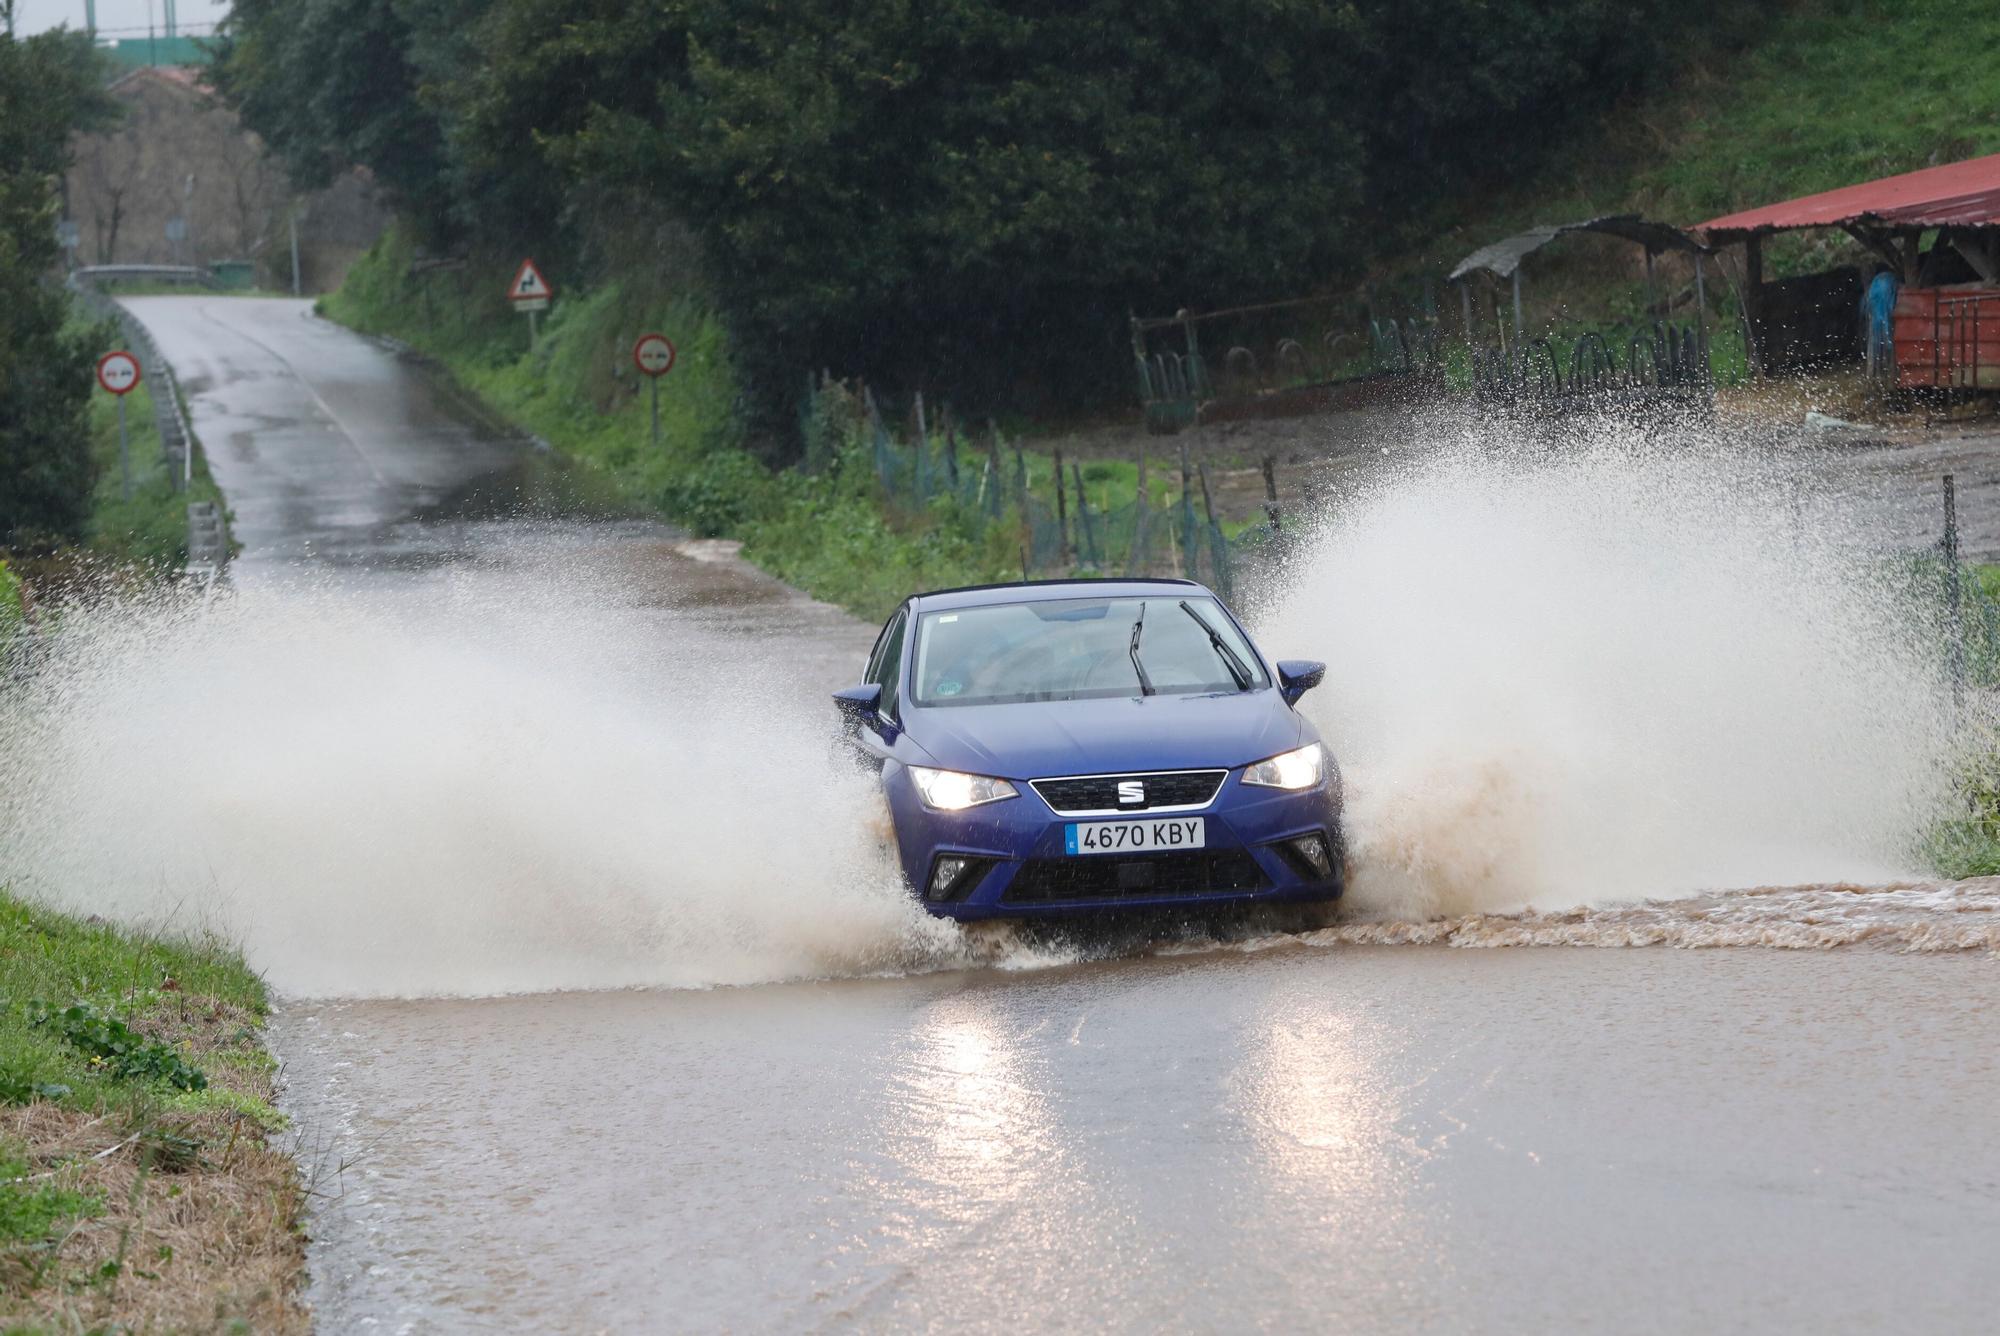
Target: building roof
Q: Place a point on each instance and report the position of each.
(1958, 194)
(1503, 257)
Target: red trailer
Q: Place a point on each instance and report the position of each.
(1949, 337)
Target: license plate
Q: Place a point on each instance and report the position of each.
(1135, 837)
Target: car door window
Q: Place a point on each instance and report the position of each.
(888, 665)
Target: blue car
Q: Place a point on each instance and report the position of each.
(1054, 747)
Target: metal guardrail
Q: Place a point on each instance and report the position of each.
(207, 552)
(176, 273)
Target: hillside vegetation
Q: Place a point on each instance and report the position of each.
(1821, 95)
(1826, 93)
(826, 531)
(965, 197)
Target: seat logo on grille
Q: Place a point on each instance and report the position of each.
(1131, 791)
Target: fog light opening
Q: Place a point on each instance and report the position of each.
(1312, 848)
(944, 874)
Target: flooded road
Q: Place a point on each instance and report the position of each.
(571, 759)
(1371, 1139)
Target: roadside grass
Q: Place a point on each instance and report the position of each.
(12, 608)
(137, 1190)
(149, 528)
(1966, 843)
(827, 533)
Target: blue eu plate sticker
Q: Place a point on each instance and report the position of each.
(1069, 838)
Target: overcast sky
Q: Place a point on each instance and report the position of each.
(119, 18)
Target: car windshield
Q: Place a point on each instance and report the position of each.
(1079, 649)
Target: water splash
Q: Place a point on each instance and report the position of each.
(1609, 671)
(487, 783)
(1603, 677)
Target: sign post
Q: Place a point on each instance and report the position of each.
(530, 292)
(118, 373)
(654, 355)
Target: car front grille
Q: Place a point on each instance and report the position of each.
(1102, 877)
(1096, 795)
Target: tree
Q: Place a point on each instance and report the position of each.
(107, 166)
(49, 86)
(970, 192)
(331, 84)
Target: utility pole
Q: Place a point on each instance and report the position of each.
(89, 17)
(295, 253)
(170, 20)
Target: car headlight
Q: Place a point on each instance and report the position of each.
(949, 791)
(1299, 769)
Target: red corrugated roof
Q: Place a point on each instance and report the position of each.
(1958, 194)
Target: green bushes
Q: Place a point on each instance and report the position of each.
(49, 87)
(110, 1043)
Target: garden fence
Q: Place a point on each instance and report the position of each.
(1059, 512)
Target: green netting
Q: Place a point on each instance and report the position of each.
(995, 484)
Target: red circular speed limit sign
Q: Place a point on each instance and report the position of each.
(118, 372)
(654, 354)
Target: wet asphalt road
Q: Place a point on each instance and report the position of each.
(1360, 1139)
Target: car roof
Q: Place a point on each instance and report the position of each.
(1042, 591)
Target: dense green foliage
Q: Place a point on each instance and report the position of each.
(965, 194)
(1823, 94)
(49, 86)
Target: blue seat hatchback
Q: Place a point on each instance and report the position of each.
(1056, 747)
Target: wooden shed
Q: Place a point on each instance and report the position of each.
(1946, 323)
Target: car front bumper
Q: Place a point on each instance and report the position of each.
(1019, 866)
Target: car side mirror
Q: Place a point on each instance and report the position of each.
(859, 705)
(1298, 676)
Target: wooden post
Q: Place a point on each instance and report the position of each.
(1271, 492)
(1753, 303)
(1218, 551)
(1701, 315)
(1519, 326)
(1062, 515)
(1465, 306)
(1954, 600)
(993, 465)
(1087, 548)
(1140, 554)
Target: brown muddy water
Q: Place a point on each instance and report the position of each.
(1364, 1139)
(601, 1011)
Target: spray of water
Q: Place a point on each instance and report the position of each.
(1591, 671)
(1579, 677)
(483, 785)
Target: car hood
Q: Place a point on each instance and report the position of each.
(1125, 734)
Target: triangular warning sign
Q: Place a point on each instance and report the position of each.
(528, 284)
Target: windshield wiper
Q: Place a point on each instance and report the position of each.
(1139, 629)
(1238, 672)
